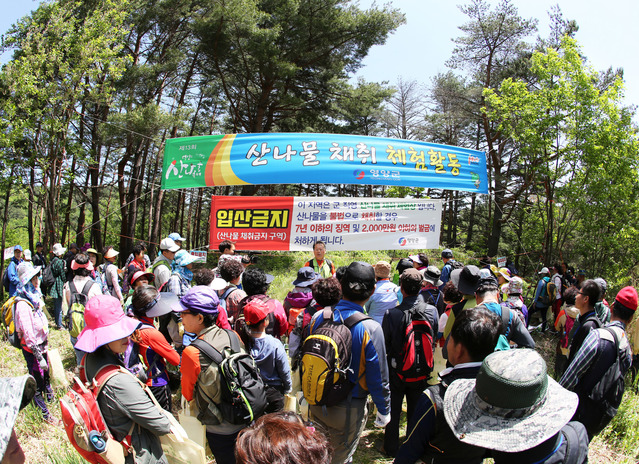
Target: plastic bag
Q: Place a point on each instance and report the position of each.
(195, 430)
(181, 450)
(56, 370)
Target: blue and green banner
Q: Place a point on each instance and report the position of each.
(296, 158)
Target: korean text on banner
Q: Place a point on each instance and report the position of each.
(295, 223)
(292, 158)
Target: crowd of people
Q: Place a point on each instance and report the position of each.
(454, 342)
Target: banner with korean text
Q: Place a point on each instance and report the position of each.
(295, 158)
(295, 223)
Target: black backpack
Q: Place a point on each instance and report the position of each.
(48, 279)
(454, 265)
(326, 358)
(416, 361)
(5, 280)
(606, 395)
(243, 390)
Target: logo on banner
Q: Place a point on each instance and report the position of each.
(359, 174)
(472, 159)
(402, 241)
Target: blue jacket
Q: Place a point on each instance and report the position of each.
(541, 289)
(12, 273)
(368, 368)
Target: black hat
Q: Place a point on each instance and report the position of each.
(39, 244)
(359, 277)
(466, 279)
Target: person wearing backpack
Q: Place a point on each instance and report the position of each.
(430, 291)
(231, 296)
(409, 333)
(58, 270)
(541, 302)
(124, 403)
(202, 378)
(474, 336)
(77, 292)
(344, 421)
(301, 296)
(602, 308)
(557, 279)
(161, 267)
(269, 354)
(110, 273)
(33, 331)
(386, 293)
(597, 371)
(256, 282)
(12, 270)
(38, 257)
(182, 275)
(449, 266)
(146, 304)
(587, 319)
(563, 325)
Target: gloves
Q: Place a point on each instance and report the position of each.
(44, 367)
(381, 420)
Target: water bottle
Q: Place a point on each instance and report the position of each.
(97, 441)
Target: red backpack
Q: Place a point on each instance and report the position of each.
(84, 423)
(416, 361)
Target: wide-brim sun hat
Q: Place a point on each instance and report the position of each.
(515, 286)
(306, 277)
(415, 259)
(466, 279)
(105, 322)
(432, 274)
(26, 272)
(162, 304)
(505, 273)
(512, 405)
(15, 394)
(111, 253)
(58, 249)
(183, 258)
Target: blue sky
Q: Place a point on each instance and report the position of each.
(419, 49)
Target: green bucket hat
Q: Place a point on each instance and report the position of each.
(512, 406)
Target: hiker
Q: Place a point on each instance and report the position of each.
(58, 269)
(466, 280)
(126, 407)
(96, 275)
(385, 295)
(420, 261)
(345, 421)
(177, 238)
(182, 275)
(227, 253)
(326, 293)
(161, 267)
(600, 350)
(430, 291)
(402, 265)
(12, 270)
(82, 284)
(231, 295)
(473, 336)
(255, 282)
(487, 296)
(146, 304)
(503, 278)
(407, 379)
(135, 262)
(38, 257)
(447, 258)
(581, 277)
(110, 273)
(68, 257)
(139, 279)
(563, 325)
(301, 296)
(602, 308)
(320, 264)
(283, 438)
(558, 279)
(269, 354)
(585, 302)
(514, 301)
(516, 410)
(33, 330)
(15, 394)
(541, 301)
(199, 309)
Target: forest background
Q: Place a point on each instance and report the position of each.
(94, 88)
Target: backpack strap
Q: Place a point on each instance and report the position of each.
(87, 287)
(505, 317)
(227, 293)
(208, 350)
(354, 319)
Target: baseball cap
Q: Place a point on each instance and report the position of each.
(169, 244)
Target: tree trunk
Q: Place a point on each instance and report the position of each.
(5, 219)
(30, 208)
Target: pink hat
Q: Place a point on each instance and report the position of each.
(105, 323)
(88, 265)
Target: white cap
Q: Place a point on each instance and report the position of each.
(544, 270)
(169, 244)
